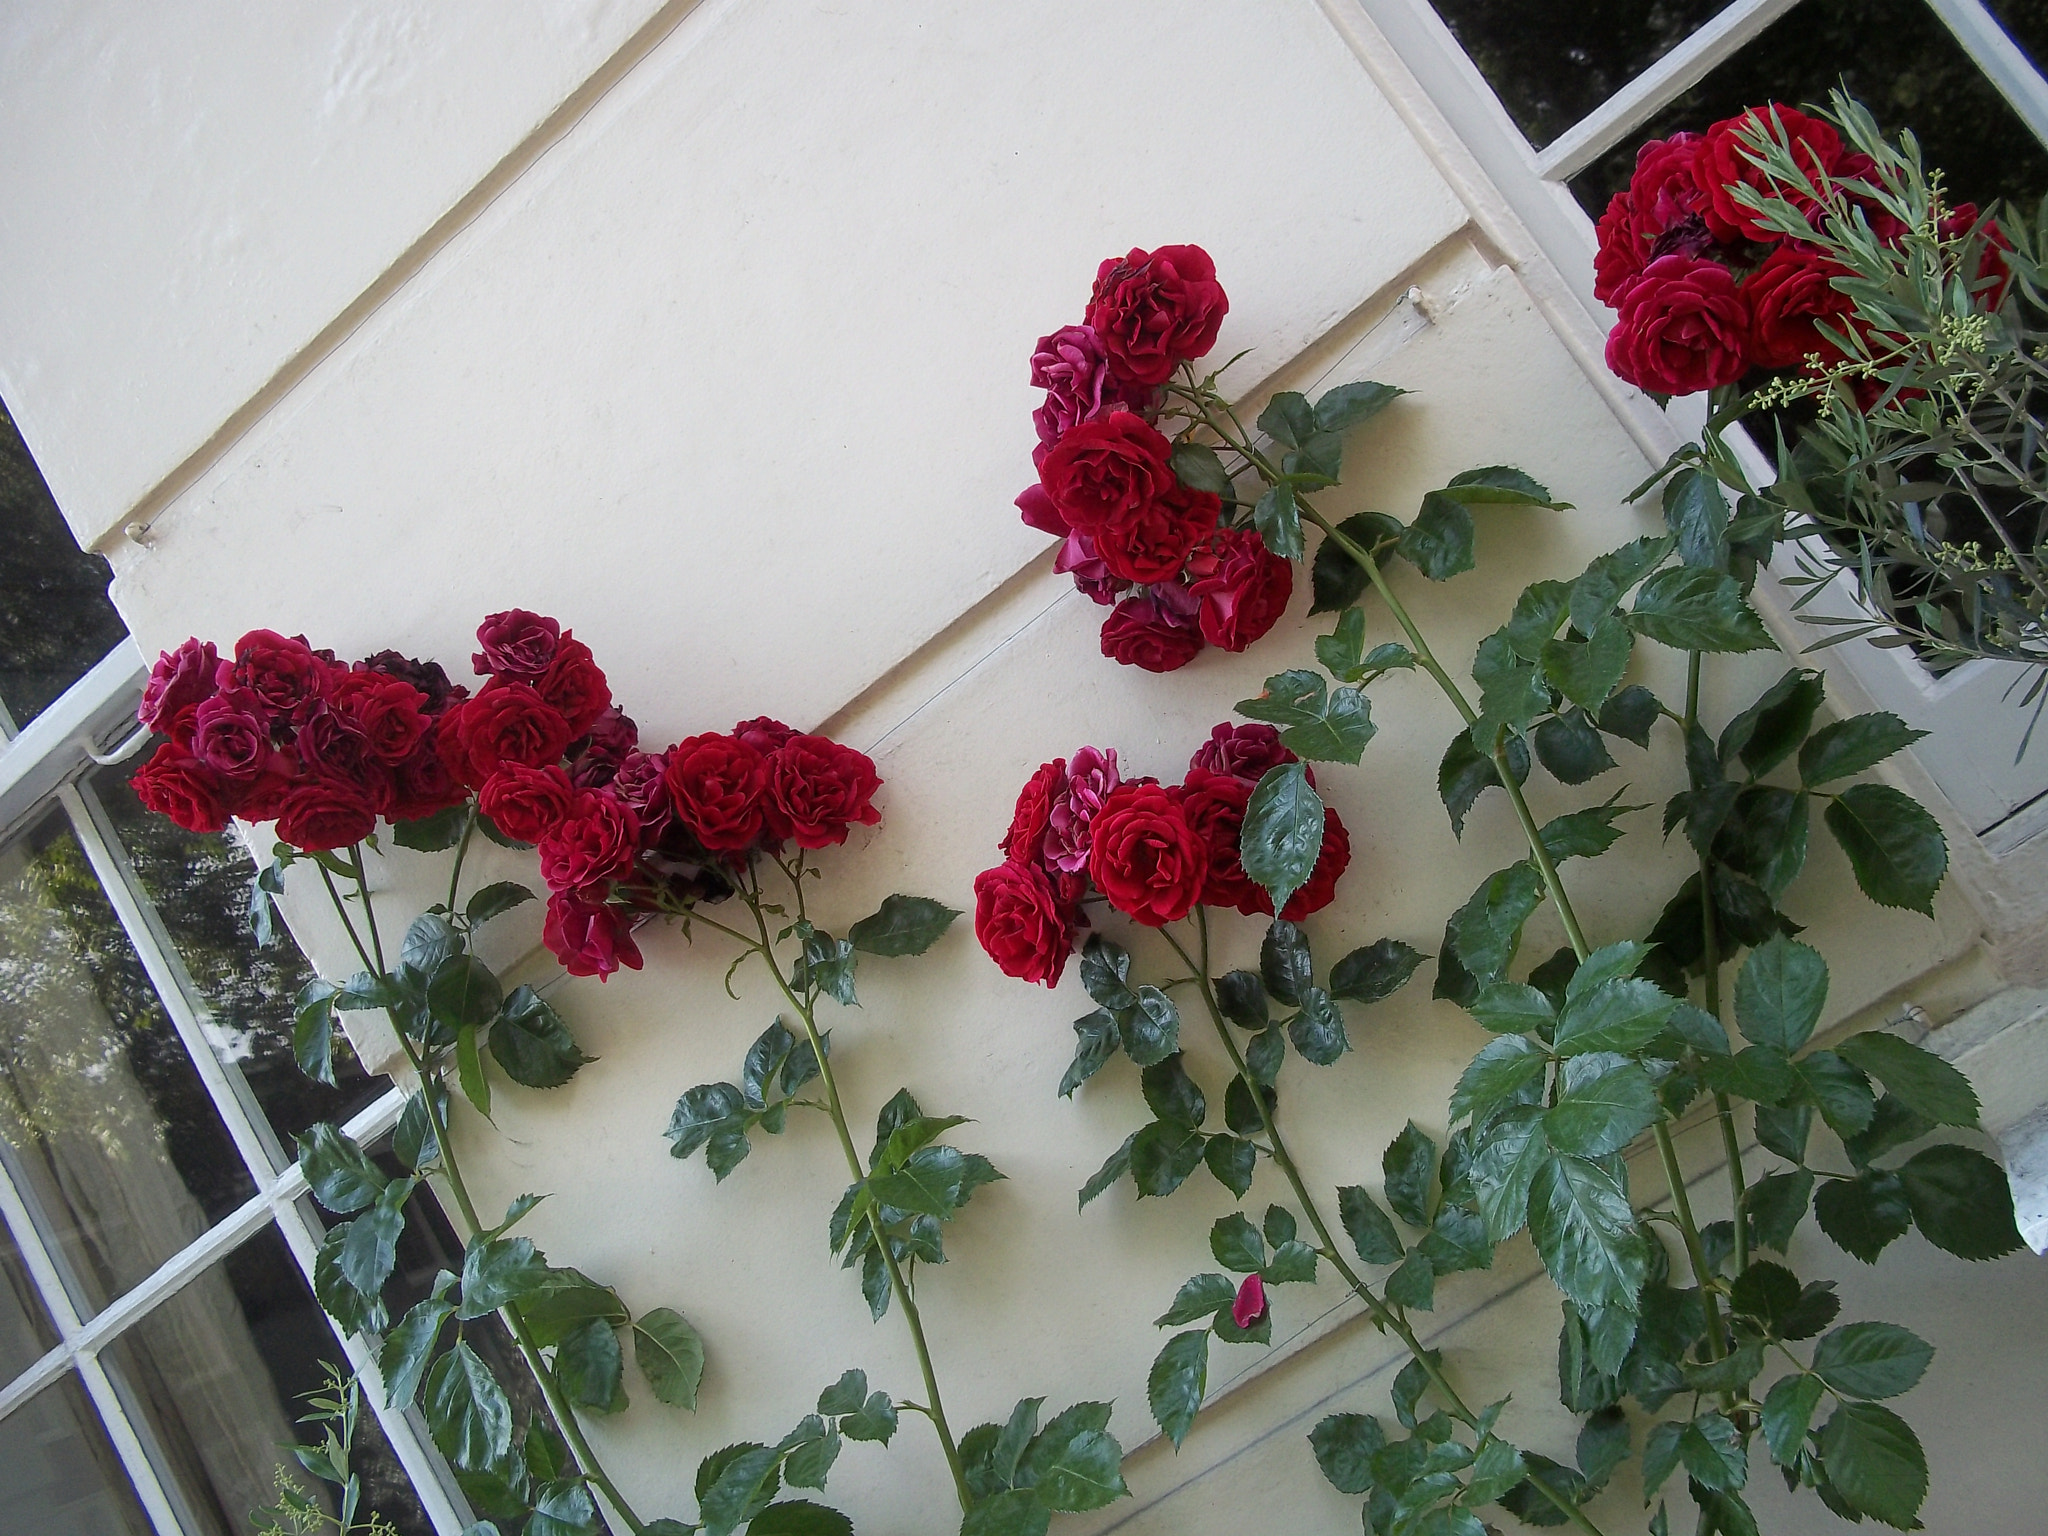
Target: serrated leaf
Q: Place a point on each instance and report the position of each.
(1349, 405)
(1875, 1463)
(1498, 1073)
(1162, 1156)
(1918, 1078)
(1588, 671)
(495, 900)
(1345, 1444)
(1487, 930)
(670, 1355)
(1864, 1214)
(1585, 1231)
(532, 1044)
(590, 1367)
(1196, 466)
(1847, 747)
(466, 1410)
(1283, 832)
(1780, 993)
(1960, 1201)
(1114, 1167)
(313, 1030)
(1339, 580)
(1871, 1360)
(402, 1359)
(1896, 849)
(902, 925)
(1690, 608)
(1370, 1229)
(1179, 1376)
(1439, 543)
(1788, 1411)
(1277, 518)
(1623, 1015)
(340, 1175)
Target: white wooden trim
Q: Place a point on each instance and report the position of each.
(54, 745)
(2004, 63)
(1656, 87)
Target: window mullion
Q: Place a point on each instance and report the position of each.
(2004, 62)
(229, 1093)
(157, 1497)
(1656, 87)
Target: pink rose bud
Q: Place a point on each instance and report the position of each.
(1250, 1305)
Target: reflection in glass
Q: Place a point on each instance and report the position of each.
(1553, 61)
(104, 1125)
(1893, 56)
(25, 1331)
(58, 1474)
(55, 620)
(199, 887)
(218, 1373)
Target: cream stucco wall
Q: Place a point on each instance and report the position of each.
(727, 370)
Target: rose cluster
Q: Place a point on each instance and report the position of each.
(1152, 851)
(1177, 573)
(279, 731)
(1705, 291)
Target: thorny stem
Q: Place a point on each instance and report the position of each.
(1386, 1317)
(558, 1405)
(764, 946)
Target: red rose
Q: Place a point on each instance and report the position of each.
(1021, 923)
(1026, 838)
(230, 733)
(1249, 1305)
(281, 672)
(1994, 277)
(762, 734)
(588, 937)
(1682, 329)
(526, 803)
(1664, 191)
(1331, 861)
(595, 841)
(1214, 805)
(574, 686)
(330, 748)
(1152, 542)
(1145, 857)
(322, 813)
(426, 676)
(517, 644)
(390, 716)
(819, 789)
(718, 786)
(422, 785)
(178, 684)
(264, 799)
(1246, 751)
(1156, 310)
(1108, 470)
(176, 784)
(1788, 295)
(1035, 505)
(639, 783)
(1724, 163)
(1145, 632)
(1243, 587)
(1621, 253)
(506, 723)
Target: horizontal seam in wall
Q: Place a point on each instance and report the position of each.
(495, 182)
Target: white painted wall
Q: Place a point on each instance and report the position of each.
(731, 377)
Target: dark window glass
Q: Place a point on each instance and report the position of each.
(2027, 22)
(58, 1474)
(107, 1129)
(1553, 61)
(55, 620)
(199, 887)
(219, 1373)
(1893, 56)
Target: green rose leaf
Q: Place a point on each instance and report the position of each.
(1697, 514)
(1850, 746)
(1772, 728)
(403, 1358)
(463, 991)
(467, 1411)
(1408, 1163)
(1349, 405)
(1585, 1232)
(532, 1043)
(1620, 1015)
(1895, 848)
(1865, 1214)
(1497, 1074)
(1196, 466)
(494, 901)
(1162, 1155)
(1691, 608)
(1788, 1411)
(1875, 1463)
(590, 1367)
(1370, 1229)
(1179, 1376)
(1595, 593)
(1588, 671)
(1487, 930)
(1114, 1167)
(1603, 1115)
(1278, 521)
(1571, 747)
(1011, 1512)
(795, 1517)
(1317, 1031)
(1871, 1360)
(1338, 579)
(1439, 543)
(1345, 1444)
(1961, 1202)
(313, 1030)
(341, 1177)
(1915, 1076)
(1780, 992)
(1097, 1043)
(670, 1355)
(1283, 832)
(903, 925)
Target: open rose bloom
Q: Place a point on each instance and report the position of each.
(1707, 293)
(1154, 852)
(1177, 573)
(277, 731)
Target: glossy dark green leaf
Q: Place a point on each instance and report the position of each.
(1871, 1360)
(1603, 1445)
(1370, 1229)
(467, 1411)
(1288, 419)
(1511, 690)
(1463, 775)
(902, 925)
(706, 1111)
(1838, 1089)
(532, 1044)
(1277, 518)
(495, 900)
(1293, 1263)
(741, 1480)
(1283, 832)
(1918, 1078)
(1696, 512)
(1345, 1444)
(568, 1300)
(1487, 930)
(1571, 748)
(413, 1139)
(1690, 608)
(1538, 612)
(1607, 579)
(1513, 1007)
(1496, 1075)
(827, 963)
(338, 1172)
(1780, 993)
(1713, 1454)
(1413, 1284)
(1585, 1231)
(1317, 1031)
(1337, 579)
(846, 1395)
(1173, 1095)
(670, 1355)
(499, 1270)
(313, 1030)
(1771, 729)
(1848, 747)
(1788, 1411)
(1777, 1203)
(402, 1360)
(431, 834)
(1960, 1201)
(1106, 972)
(1408, 1163)
(590, 1367)
(1196, 466)
(1010, 1512)
(1624, 1015)
(1758, 1072)
(799, 1517)
(1504, 1168)
(1375, 971)
(1114, 1167)
(1149, 1030)
(1237, 1244)
(1349, 405)
(875, 1421)
(1241, 995)
(1096, 1043)
(1630, 714)
(1162, 1156)
(1178, 1378)
(1197, 1299)
(1864, 1214)
(1603, 1115)
(1896, 849)
(463, 991)
(1875, 1463)
(1232, 1161)
(1456, 1241)
(1439, 543)
(1588, 671)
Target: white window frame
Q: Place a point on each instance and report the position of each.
(41, 767)
(1519, 196)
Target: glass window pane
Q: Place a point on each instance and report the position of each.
(1895, 57)
(1553, 61)
(2027, 23)
(219, 1373)
(108, 1130)
(199, 886)
(55, 620)
(58, 1474)
(25, 1331)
